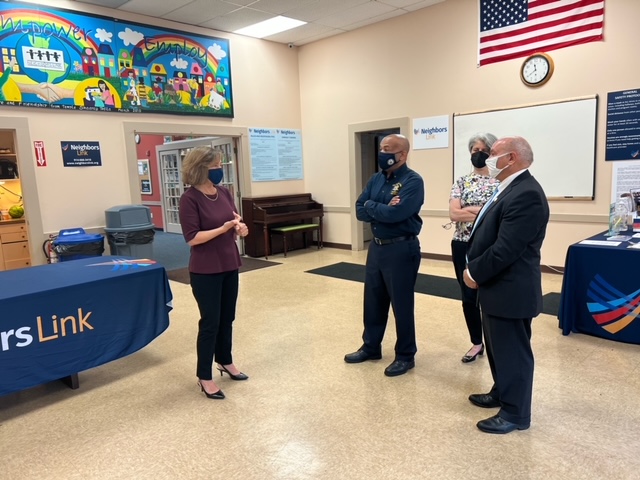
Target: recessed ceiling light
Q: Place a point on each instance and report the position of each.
(270, 27)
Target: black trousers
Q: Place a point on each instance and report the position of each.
(390, 279)
(510, 356)
(470, 307)
(216, 295)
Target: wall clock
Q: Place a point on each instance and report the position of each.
(536, 70)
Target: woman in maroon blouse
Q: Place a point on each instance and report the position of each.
(210, 224)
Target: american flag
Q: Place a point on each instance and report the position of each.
(517, 28)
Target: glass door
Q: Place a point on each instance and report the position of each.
(229, 179)
(170, 157)
(172, 189)
(230, 174)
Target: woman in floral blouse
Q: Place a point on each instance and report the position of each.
(468, 195)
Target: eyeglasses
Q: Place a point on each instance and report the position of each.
(447, 226)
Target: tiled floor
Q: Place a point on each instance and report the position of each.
(305, 414)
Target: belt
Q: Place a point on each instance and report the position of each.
(387, 241)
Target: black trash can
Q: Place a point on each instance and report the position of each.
(130, 231)
(75, 243)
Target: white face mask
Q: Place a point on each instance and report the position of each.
(492, 163)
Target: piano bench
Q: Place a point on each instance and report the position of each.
(291, 229)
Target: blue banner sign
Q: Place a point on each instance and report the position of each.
(623, 125)
(81, 154)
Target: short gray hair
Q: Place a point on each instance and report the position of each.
(487, 138)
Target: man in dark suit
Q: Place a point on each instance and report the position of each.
(504, 265)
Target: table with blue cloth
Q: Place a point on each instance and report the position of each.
(601, 290)
(60, 319)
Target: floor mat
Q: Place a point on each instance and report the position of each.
(427, 284)
(182, 274)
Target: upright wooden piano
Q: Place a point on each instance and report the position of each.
(261, 214)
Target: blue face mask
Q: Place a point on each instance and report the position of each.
(387, 160)
(216, 175)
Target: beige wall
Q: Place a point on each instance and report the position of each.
(417, 65)
(424, 64)
(266, 94)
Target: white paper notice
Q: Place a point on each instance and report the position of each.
(603, 243)
(626, 177)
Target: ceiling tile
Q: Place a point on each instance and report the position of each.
(199, 11)
(299, 33)
(237, 19)
(105, 3)
(356, 14)
(310, 12)
(423, 4)
(325, 17)
(394, 13)
(331, 33)
(279, 7)
(241, 3)
(399, 3)
(152, 7)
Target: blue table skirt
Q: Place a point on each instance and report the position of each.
(601, 291)
(58, 320)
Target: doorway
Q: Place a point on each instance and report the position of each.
(364, 143)
(170, 156)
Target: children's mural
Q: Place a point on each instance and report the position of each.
(56, 58)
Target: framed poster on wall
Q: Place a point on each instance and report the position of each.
(145, 177)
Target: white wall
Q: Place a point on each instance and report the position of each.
(266, 94)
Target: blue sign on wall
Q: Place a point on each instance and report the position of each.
(623, 125)
(81, 154)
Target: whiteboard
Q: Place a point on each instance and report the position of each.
(562, 136)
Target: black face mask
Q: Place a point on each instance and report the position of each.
(478, 159)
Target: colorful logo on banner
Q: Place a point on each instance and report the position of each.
(125, 264)
(611, 309)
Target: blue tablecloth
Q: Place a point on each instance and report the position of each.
(601, 291)
(57, 320)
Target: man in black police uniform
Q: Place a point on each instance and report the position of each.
(391, 203)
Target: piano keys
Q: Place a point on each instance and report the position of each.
(263, 213)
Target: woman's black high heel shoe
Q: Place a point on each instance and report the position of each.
(219, 395)
(472, 358)
(241, 376)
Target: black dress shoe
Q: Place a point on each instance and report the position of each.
(239, 376)
(361, 356)
(217, 395)
(484, 400)
(472, 358)
(399, 367)
(499, 425)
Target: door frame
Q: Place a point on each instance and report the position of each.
(355, 165)
(239, 134)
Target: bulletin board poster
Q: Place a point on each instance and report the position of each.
(61, 59)
(276, 154)
(623, 125)
(144, 174)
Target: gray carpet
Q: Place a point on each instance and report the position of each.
(426, 284)
(170, 250)
(182, 274)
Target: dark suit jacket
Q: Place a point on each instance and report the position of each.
(504, 250)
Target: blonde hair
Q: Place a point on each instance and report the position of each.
(195, 166)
